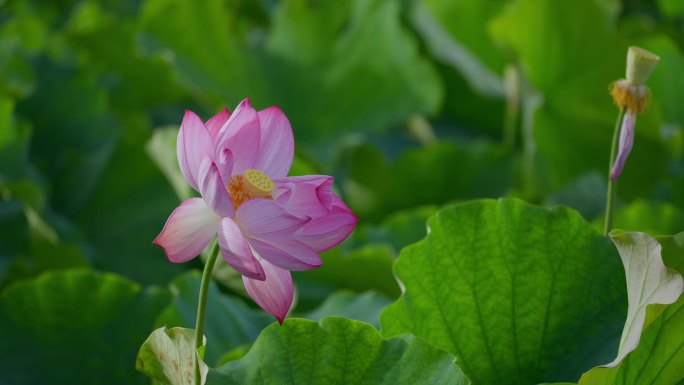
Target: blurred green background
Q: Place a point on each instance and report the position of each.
(411, 105)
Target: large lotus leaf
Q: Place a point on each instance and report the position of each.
(333, 67)
(228, 321)
(337, 351)
(520, 294)
(75, 326)
(659, 358)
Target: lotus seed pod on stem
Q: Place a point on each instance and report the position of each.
(631, 96)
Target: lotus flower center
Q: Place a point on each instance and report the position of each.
(251, 184)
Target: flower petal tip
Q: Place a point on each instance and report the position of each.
(187, 231)
(190, 114)
(157, 242)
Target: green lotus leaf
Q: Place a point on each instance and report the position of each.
(337, 351)
(519, 294)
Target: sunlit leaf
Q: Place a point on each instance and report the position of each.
(520, 294)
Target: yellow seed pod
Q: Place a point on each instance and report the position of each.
(258, 183)
(640, 65)
(631, 94)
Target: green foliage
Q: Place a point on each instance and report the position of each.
(374, 187)
(413, 106)
(455, 33)
(75, 326)
(363, 307)
(398, 229)
(368, 268)
(659, 358)
(519, 294)
(649, 282)
(650, 217)
(571, 68)
(360, 42)
(337, 351)
(655, 361)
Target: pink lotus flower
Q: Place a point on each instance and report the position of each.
(267, 223)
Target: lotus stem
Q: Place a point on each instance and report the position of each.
(612, 184)
(202, 306)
